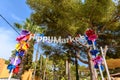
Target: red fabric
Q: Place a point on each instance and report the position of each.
(90, 32)
(27, 45)
(16, 70)
(23, 37)
(92, 37)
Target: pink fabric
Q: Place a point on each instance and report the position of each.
(92, 37)
(98, 60)
(23, 37)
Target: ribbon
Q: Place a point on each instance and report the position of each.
(23, 37)
(92, 37)
(24, 32)
(16, 70)
(101, 66)
(22, 46)
(18, 61)
(98, 60)
(90, 32)
(94, 52)
(10, 67)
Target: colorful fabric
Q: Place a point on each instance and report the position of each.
(90, 32)
(16, 70)
(12, 60)
(21, 53)
(89, 42)
(101, 66)
(10, 67)
(24, 32)
(92, 37)
(23, 37)
(94, 52)
(98, 60)
(22, 46)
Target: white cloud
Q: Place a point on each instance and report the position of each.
(7, 42)
(16, 17)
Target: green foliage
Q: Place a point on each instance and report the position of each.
(40, 66)
(30, 26)
(7, 62)
(27, 59)
(60, 17)
(63, 18)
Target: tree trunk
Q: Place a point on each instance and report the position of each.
(41, 66)
(76, 64)
(36, 59)
(44, 74)
(54, 76)
(91, 67)
(92, 71)
(68, 68)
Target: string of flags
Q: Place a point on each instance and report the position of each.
(21, 48)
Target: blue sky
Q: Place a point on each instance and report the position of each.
(13, 11)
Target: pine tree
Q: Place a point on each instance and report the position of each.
(63, 18)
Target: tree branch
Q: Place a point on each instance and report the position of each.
(105, 50)
(80, 59)
(111, 22)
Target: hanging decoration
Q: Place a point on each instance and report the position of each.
(97, 60)
(23, 44)
(21, 48)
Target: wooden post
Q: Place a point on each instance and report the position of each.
(101, 72)
(106, 67)
(95, 71)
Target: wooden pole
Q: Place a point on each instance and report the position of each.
(106, 67)
(94, 47)
(101, 72)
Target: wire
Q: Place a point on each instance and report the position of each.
(9, 24)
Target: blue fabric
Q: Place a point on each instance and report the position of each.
(101, 66)
(89, 42)
(94, 52)
(86, 37)
(96, 66)
(10, 67)
(95, 43)
(17, 53)
(21, 53)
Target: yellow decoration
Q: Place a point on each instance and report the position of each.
(22, 45)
